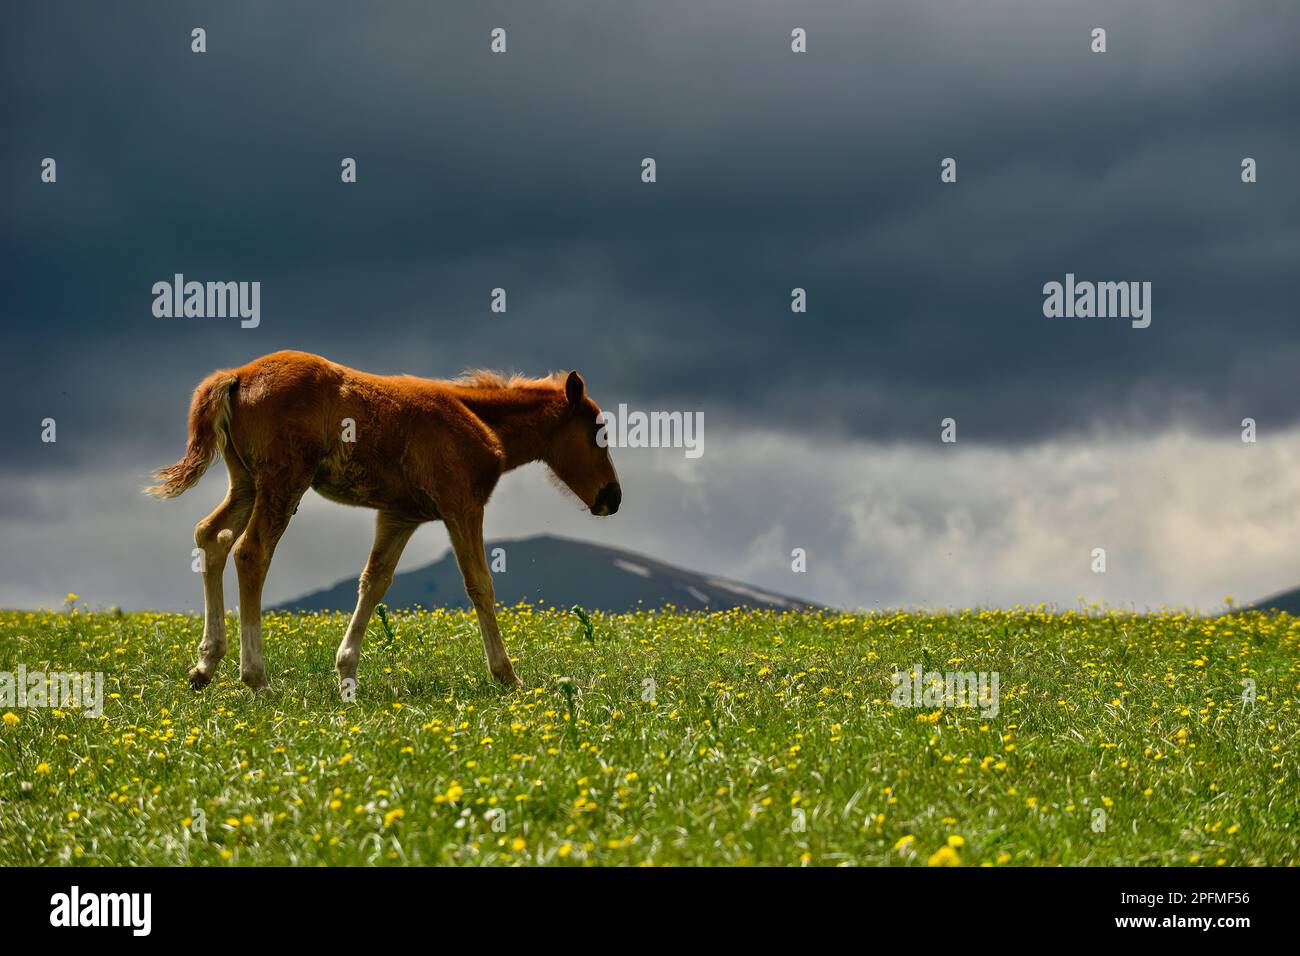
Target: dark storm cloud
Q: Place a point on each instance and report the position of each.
(775, 171)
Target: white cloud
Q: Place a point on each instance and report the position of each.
(1185, 521)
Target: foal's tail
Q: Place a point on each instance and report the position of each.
(209, 417)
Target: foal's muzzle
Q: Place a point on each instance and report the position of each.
(608, 500)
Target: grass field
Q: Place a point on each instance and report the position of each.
(663, 738)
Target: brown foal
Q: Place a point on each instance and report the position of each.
(413, 449)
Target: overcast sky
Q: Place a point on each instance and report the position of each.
(819, 170)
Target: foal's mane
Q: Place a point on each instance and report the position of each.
(486, 378)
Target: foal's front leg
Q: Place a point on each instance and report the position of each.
(466, 533)
(391, 535)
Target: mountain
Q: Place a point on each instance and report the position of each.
(564, 572)
(1288, 601)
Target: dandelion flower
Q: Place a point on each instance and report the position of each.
(944, 856)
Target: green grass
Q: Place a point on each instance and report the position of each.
(749, 717)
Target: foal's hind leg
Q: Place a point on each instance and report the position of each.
(272, 509)
(391, 535)
(214, 535)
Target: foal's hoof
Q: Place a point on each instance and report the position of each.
(199, 679)
(256, 682)
(510, 681)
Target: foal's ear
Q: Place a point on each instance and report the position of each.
(574, 388)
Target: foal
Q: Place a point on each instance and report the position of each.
(413, 449)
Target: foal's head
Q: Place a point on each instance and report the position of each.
(576, 458)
